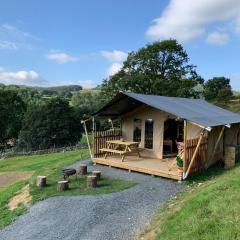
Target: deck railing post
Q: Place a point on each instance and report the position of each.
(185, 147)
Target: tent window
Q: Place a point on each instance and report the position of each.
(148, 134)
(137, 130)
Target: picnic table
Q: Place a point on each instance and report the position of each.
(121, 147)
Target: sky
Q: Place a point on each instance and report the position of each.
(60, 42)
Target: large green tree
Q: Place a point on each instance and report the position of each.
(12, 109)
(53, 124)
(86, 102)
(160, 68)
(218, 88)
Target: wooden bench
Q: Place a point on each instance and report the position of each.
(108, 150)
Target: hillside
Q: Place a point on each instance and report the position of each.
(232, 105)
(208, 210)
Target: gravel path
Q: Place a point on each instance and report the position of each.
(121, 215)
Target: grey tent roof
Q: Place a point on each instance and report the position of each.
(195, 110)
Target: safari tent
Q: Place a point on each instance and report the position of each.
(163, 127)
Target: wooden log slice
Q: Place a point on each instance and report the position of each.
(82, 169)
(62, 186)
(41, 181)
(92, 181)
(97, 174)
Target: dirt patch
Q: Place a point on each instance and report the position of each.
(22, 197)
(8, 178)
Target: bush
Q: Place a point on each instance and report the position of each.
(12, 109)
(53, 124)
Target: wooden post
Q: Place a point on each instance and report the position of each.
(194, 155)
(235, 135)
(185, 147)
(82, 169)
(41, 181)
(62, 186)
(97, 174)
(86, 133)
(93, 135)
(91, 181)
(216, 144)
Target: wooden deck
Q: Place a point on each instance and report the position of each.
(152, 166)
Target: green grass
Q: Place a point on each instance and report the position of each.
(49, 165)
(84, 139)
(208, 210)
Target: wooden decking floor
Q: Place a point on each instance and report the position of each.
(153, 166)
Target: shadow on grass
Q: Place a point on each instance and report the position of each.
(212, 172)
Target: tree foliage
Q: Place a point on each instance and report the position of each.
(218, 88)
(53, 124)
(12, 110)
(87, 102)
(161, 68)
(39, 95)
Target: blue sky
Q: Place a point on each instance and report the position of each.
(82, 42)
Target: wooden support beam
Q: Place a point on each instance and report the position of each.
(185, 147)
(86, 133)
(194, 155)
(217, 143)
(235, 135)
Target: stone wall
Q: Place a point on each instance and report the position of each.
(4, 155)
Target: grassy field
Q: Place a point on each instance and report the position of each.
(49, 165)
(231, 106)
(209, 210)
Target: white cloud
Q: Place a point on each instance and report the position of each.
(114, 68)
(11, 38)
(8, 45)
(218, 38)
(61, 57)
(117, 58)
(15, 32)
(186, 20)
(30, 78)
(114, 56)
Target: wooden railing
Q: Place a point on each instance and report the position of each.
(201, 156)
(100, 138)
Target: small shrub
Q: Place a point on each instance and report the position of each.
(179, 161)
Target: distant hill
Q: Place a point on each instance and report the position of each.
(70, 88)
(236, 93)
(39, 94)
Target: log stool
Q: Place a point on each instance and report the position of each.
(97, 174)
(82, 169)
(92, 181)
(62, 186)
(41, 181)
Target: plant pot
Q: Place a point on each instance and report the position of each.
(180, 172)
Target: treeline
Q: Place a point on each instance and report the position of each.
(34, 118)
(35, 95)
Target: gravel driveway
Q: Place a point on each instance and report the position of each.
(121, 215)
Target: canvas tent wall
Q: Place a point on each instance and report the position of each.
(159, 117)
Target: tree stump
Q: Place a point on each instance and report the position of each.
(92, 181)
(82, 169)
(41, 181)
(62, 186)
(97, 174)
